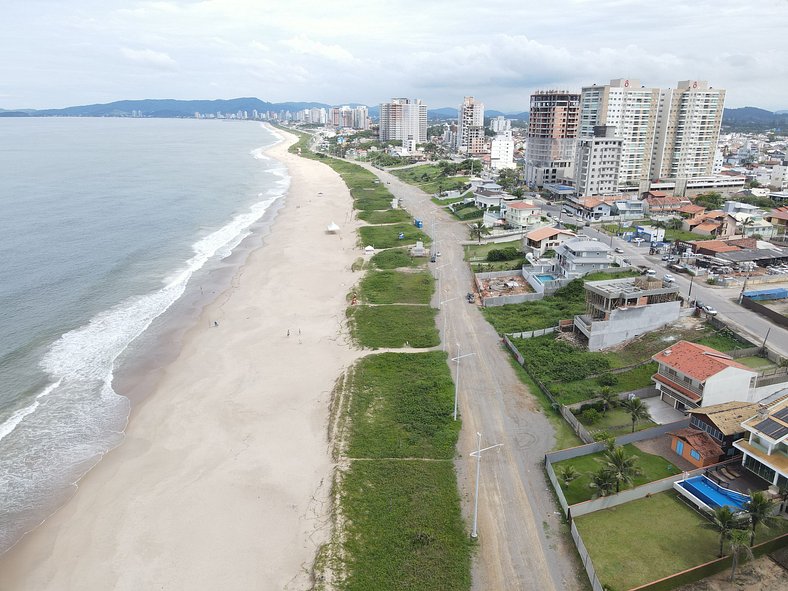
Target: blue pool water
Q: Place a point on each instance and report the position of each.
(545, 278)
(712, 494)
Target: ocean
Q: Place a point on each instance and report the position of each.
(113, 233)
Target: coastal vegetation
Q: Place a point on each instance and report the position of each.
(434, 178)
(389, 287)
(388, 216)
(388, 235)
(395, 258)
(393, 326)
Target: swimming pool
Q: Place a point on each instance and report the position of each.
(544, 278)
(711, 494)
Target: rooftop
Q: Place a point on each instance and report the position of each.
(586, 245)
(522, 205)
(728, 416)
(771, 421)
(697, 361)
(700, 440)
(628, 287)
(546, 232)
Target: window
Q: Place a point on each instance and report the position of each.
(695, 455)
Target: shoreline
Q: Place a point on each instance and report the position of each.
(224, 473)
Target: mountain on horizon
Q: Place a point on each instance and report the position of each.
(754, 118)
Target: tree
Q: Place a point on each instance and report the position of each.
(621, 466)
(517, 192)
(760, 511)
(636, 409)
(603, 481)
(738, 541)
(723, 521)
(478, 229)
(674, 224)
(607, 398)
(567, 474)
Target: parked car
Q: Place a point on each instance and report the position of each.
(668, 277)
(709, 310)
(470, 297)
(665, 257)
(651, 272)
(619, 250)
(638, 240)
(433, 259)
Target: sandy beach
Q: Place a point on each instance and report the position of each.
(222, 480)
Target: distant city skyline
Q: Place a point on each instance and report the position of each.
(58, 54)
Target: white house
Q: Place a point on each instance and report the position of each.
(579, 256)
(766, 450)
(541, 240)
(692, 375)
(521, 214)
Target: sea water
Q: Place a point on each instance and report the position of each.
(105, 224)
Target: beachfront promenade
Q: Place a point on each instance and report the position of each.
(520, 546)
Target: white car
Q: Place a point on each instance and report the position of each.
(638, 240)
(668, 277)
(709, 310)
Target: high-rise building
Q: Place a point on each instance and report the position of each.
(470, 126)
(502, 151)
(597, 162)
(551, 136)
(667, 134)
(688, 125)
(361, 117)
(403, 119)
(632, 110)
(500, 124)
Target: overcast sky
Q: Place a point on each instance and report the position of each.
(58, 53)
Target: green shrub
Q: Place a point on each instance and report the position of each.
(607, 379)
(505, 254)
(590, 416)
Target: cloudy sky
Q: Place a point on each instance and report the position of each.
(57, 53)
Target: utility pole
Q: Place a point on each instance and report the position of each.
(457, 378)
(478, 455)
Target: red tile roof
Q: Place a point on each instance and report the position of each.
(548, 232)
(781, 213)
(692, 209)
(697, 361)
(522, 205)
(714, 245)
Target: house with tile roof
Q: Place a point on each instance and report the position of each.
(697, 447)
(779, 219)
(692, 375)
(541, 240)
(766, 447)
(722, 422)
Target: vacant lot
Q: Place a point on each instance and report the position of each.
(395, 258)
(387, 216)
(430, 179)
(394, 287)
(388, 236)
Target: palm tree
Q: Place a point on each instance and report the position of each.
(738, 540)
(567, 474)
(607, 398)
(724, 521)
(478, 229)
(636, 409)
(782, 494)
(622, 466)
(761, 512)
(603, 481)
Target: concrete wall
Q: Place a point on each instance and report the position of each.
(726, 386)
(532, 333)
(585, 558)
(626, 324)
(511, 299)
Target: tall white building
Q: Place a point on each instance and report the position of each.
(667, 134)
(403, 119)
(470, 126)
(502, 151)
(688, 127)
(500, 124)
(551, 136)
(597, 163)
(632, 110)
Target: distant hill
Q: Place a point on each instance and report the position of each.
(783, 112)
(4, 113)
(753, 118)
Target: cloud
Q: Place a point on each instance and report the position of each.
(332, 52)
(149, 57)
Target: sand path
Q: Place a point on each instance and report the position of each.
(223, 477)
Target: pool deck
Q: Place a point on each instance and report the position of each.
(744, 484)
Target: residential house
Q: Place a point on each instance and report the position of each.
(712, 223)
(591, 208)
(691, 210)
(629, 209)
(692, 375)
(754, 225)
(722, 422)
(579, 256)
(618, 310)
(697, 447)
(766, 449)
(521, 214)
(779, 219)
(541, 240)
(661, 203)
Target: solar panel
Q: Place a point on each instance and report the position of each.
(782, 414)
(772, 428)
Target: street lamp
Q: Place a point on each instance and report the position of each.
(478, 455)
(445, 315)
(692, 280)
(457, 379)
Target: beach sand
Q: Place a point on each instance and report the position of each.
(223, 479)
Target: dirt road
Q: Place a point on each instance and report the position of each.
(520, 541)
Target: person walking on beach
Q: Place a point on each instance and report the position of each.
(288, 332)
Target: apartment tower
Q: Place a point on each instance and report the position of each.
(597, 162)
(689, 122)
(551, 136)
(403, 119)
(470, 126)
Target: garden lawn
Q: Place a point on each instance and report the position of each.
(645, 540)
(470, 212)
(403, 528)
(429, 178)
(756, 362)
(401, 407)
(654, 468)
(478, 252)
(395, 258)
(394, 287)
(388, 216)
(586, 389)
(671, 235)
(616, 421)
(388, 236)
(393, 326)
(722, 341)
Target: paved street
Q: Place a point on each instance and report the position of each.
(519, 542)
